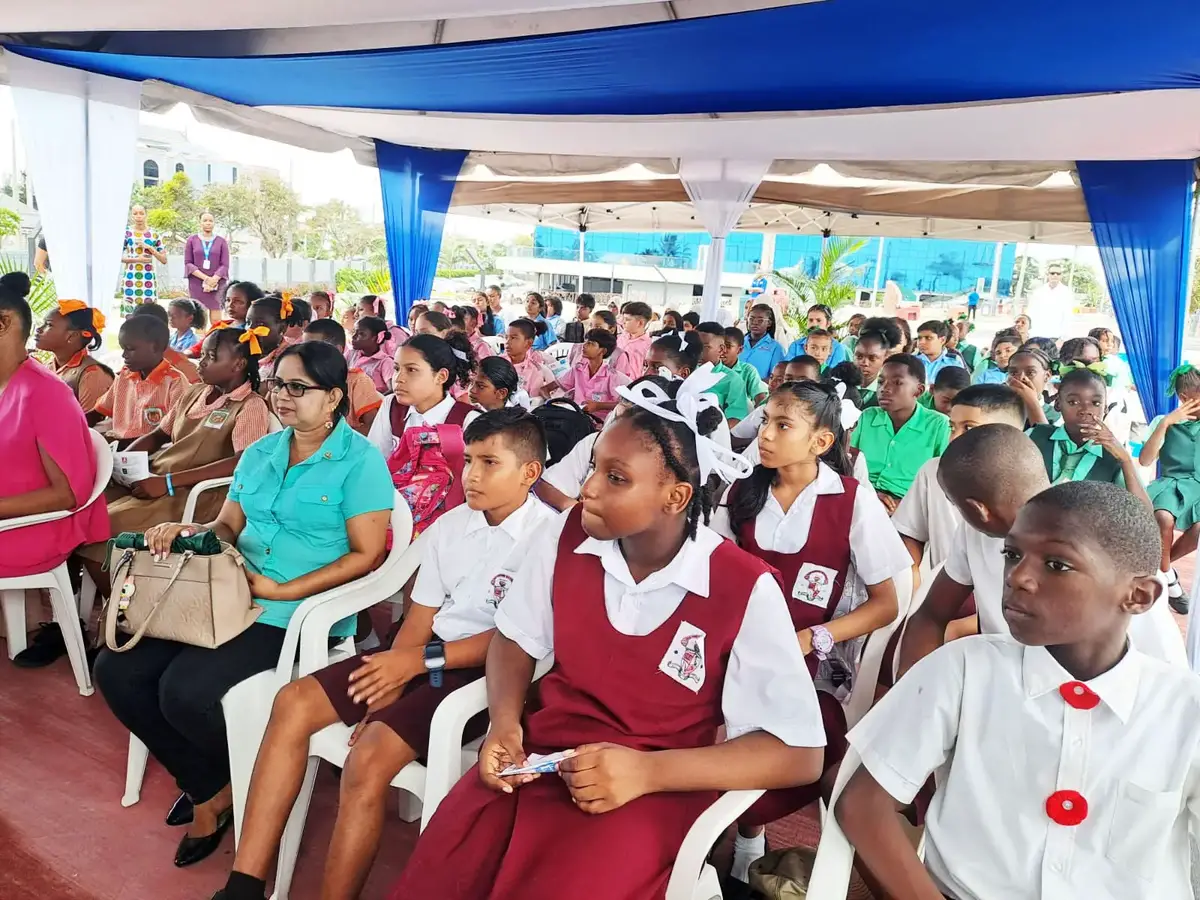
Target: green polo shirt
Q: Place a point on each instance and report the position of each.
(893, 458)
(731, 392)
(749, 375)
(296, 516)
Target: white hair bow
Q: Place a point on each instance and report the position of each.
(520, 398)
(691, 400)
(850, 412)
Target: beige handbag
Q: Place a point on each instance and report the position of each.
(193, 599)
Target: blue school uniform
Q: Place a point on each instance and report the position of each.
(542, 341)
(838, 355)
(947, 360)
(993, 374)
(764, 355)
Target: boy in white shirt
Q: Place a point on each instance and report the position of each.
(1067, 762)
(469, 558)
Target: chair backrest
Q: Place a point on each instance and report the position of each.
(867, 680)
(559, 351)
(274, 426)
(104, 466)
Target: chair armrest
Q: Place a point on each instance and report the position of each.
(867, 679)
(835, 857)
(212, 484)
(704, 833)
(35, 519)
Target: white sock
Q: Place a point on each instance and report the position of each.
(745, 851)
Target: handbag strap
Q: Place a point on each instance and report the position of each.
(110, 621)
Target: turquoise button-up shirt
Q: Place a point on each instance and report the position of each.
(296, 517)
(764, 355)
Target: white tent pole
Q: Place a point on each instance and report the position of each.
(1021, 278)
(582, 238)
(878, 270)
(996, 272)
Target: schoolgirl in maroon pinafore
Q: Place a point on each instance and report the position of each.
(602, 827)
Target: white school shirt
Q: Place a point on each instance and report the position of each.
(467, 566)
(381, 429)
(767, 686)
(927, 515)
(860, 473)
(977, 560)
(876, 554)
(986, 715)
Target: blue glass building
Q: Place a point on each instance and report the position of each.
(929, 265)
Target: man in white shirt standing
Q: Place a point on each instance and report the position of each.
(1051, 306)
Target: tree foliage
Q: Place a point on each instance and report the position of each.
(1083, 279)
(833, 283)
(1033, 276)
(230, 205)
(274, 216)
(10, 222)
(334, 230)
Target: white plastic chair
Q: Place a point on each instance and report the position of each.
(247, 705)
(57, 581)
(496, 342)
(559, 351)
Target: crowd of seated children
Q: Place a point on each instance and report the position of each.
(1175, 494)
(944, 387)
(180, 361)
(187, 318)
(535, 376)
(933, 345)
(71, 332)
(321, 304)
(674, 355)
(466, 320)
(238, 298)
(433, 322)
(362, 399)
(899, 435)
(762, 350)
(690, 320)
(878, 339)
(536, 310)
(837, 575)
(389, 697)
(1066, 757)
(1030, 373)
(266, 322)
(989, 473)
(634, 341)
(995, 369)
(853, 327)
(730, 390)
(496, 305)
(590, 382)
(637, 564)
(961, 330)
(414, 314)
(1023, 326)
(371, 352)
(146, 389)
(573, 332)
(495, 385)
(671, 321)
(199, 438)
(169, 694)
(298, 321)
(907, 344)
(756, 389)
(819, 324)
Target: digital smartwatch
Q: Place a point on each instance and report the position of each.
(435, 661)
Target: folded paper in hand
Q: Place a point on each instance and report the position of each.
(536, 763)
(130, 466)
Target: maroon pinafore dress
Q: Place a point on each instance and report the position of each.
(660, 691)
(813, 581)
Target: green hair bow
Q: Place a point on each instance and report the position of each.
(1097, 368)
(1174, 377)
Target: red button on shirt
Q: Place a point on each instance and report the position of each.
(1066, 807)
(1079, 695)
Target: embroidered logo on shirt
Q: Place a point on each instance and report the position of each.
(684, 660)
(500, 585)
(216, 418)
(814, 585)
(153, 415)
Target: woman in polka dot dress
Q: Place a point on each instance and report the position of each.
(142, 248)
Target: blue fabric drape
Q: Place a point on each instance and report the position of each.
(1142, 218)
(417, 185)
(689, 66)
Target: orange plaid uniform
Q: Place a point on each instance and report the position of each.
(363, 397)
(92, 383)
(186, 367)
(253, 420)
(138, 405)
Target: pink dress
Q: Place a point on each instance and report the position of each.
(40, 412)
(634, 351)
(584, 387)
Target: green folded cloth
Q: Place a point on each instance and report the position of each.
(205, 543)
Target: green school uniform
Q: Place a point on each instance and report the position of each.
(731, 392)
(749, 375)
(1177, 488)
(870, 394)
(1067, 461)
(895, 457)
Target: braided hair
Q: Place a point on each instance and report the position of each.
(677, 444)
(823, 409)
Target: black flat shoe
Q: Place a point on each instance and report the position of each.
(47, 646)
(191, 850)
(181, 812)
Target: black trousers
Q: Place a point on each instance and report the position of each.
(169, 695)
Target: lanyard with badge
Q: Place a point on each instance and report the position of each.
(207, 245)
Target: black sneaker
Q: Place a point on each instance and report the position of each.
(47, 646)
(1176, 598)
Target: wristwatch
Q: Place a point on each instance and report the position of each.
(822, 641)
(435, 661)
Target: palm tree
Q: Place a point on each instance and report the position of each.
(834, 284)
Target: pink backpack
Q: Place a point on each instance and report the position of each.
(427, 465)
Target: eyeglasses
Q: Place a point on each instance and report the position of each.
(1059, 274)
(293, 388)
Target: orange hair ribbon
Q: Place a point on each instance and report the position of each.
(252, 335)
(66, 307)
(285, 305)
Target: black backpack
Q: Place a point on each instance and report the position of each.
(565, 425)
(573, 332)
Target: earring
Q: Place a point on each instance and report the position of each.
(329, 425)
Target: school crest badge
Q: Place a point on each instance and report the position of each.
(684, 659)
(153, 416)
(500, 585)
(814, 585)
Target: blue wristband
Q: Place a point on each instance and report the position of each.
(170, 486)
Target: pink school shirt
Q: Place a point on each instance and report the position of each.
(40, 412)
(481, 347)
(634, 351)
(379, 367)
(584, 387)
(532, 374)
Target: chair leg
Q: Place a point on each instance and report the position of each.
(87, 598)
(13, 607)
(135, 771)
(66, 613)
(293, 832)
(410, 806)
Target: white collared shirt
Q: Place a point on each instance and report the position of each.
(467, 566)
(861, 473)
(381, 429)
(767, 686)
(977, 560)
(927, 515)
(986, 715)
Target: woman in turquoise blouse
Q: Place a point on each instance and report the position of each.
(308, 509)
